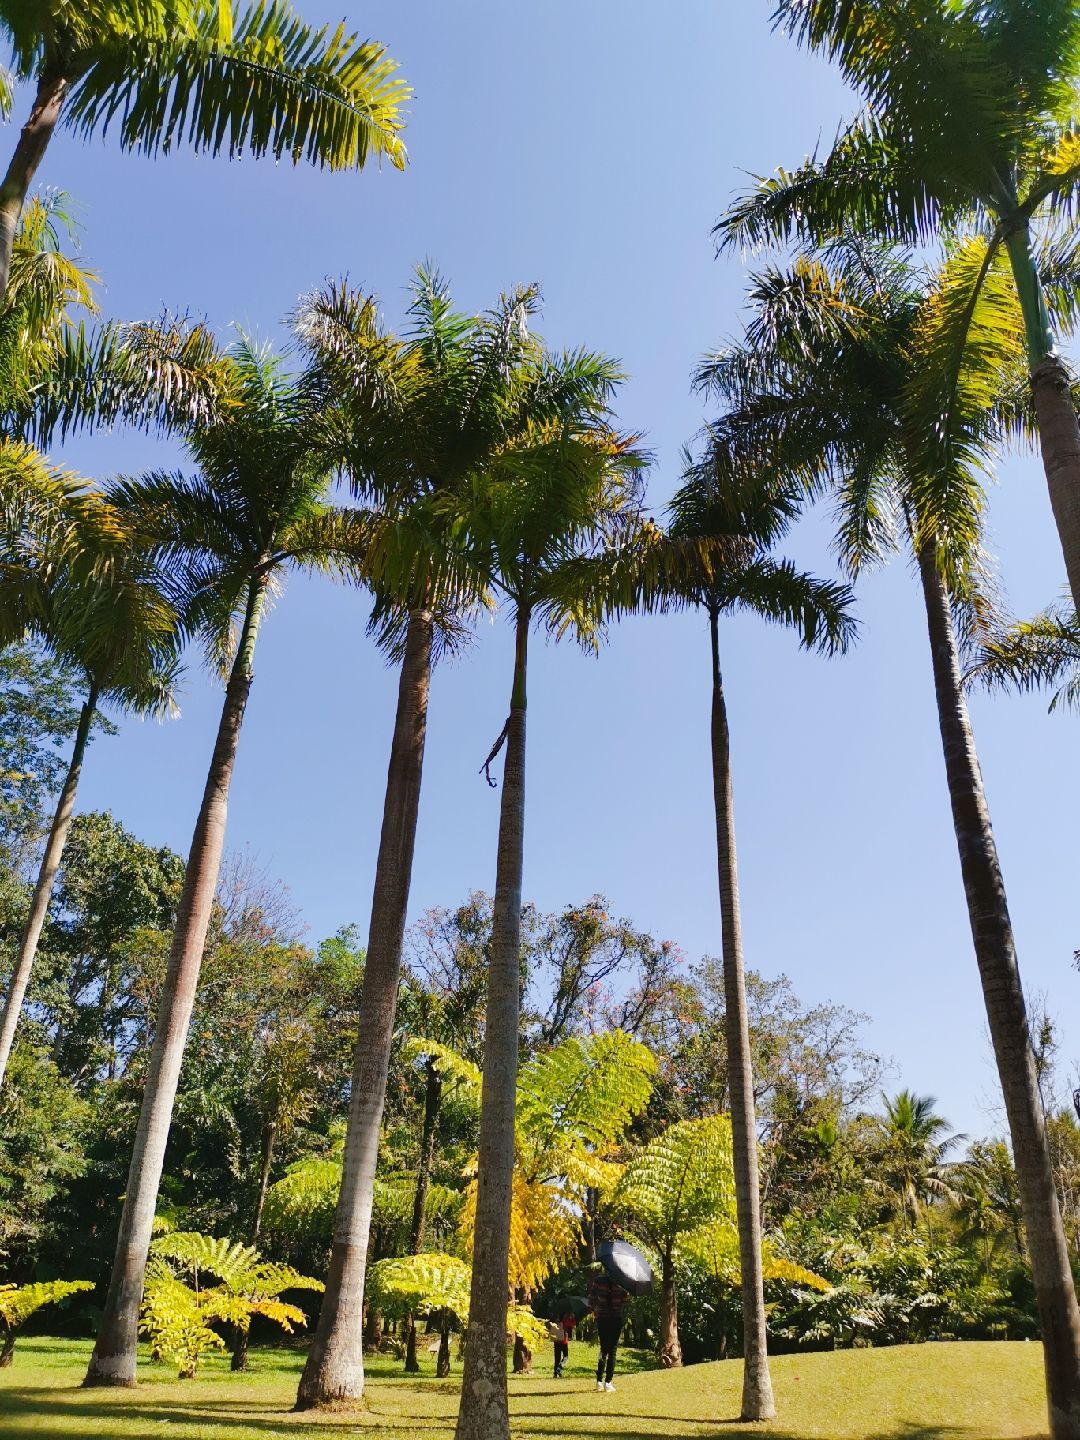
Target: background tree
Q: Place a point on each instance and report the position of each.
(40, 701)
(915, 1142)
(177, 1317)
(122, 634)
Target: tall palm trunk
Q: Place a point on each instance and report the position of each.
(432, 1104)
(33, 141)
(995, 952)
(484, 1412)
(757, 1396)
(113, 1360)
(50, 864)
(335, 1364)
(1059, 432)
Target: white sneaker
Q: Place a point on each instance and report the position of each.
(599, 1384)
(609, 1388)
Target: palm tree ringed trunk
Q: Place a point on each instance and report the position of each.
(484, 1411)
(50, 865)
(334, 1370)
(757, 1394)
(33, 141)
(114, 1357)
(1059, 432)
(432, 1102)
(995, 952)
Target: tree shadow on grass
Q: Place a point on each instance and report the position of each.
(269, 1418)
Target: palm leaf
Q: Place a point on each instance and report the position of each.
(267, 84)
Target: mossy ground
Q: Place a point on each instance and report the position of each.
(951, 1391)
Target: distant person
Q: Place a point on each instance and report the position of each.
(562, 1332)
(607, 1301)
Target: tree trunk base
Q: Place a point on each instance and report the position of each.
(114, 1373)
(523, 1357)
(442, 1364)
(412, 1364)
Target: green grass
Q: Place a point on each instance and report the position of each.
(952, 1391)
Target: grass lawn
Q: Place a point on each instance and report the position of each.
(952, 1391)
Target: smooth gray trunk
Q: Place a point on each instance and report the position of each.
(995, 952)
(757, 1395)
(484, 1410)
(50, 865)
(114, 1358)
(334, 1371)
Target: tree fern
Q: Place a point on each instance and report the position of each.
(178, 1318)
(681, 1180)
(19, 1302)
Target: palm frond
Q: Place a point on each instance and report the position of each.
(967, 347)
(869, 183)
(1038, 654)
(266, 83)
(168, 376)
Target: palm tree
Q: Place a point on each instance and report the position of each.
(119, 631)
(970, 114)
(839, 368)
(549, 501)
(915, 1142)
(172, 72)
(227, 534)
(421, 417)
(1038, 654)
(716, 556)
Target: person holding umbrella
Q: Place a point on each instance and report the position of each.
(607, 1301)
(620, 1271)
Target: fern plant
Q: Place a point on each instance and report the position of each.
(19, 1302)
(432, 1284)
(680, 1182)
(180, 1310)
(575, 1103)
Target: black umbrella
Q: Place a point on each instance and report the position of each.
(575, 1305)
(626, 1266)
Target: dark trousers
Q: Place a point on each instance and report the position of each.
(562, 1350)
(609, 1328)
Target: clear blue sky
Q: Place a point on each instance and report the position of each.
(590, 146)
